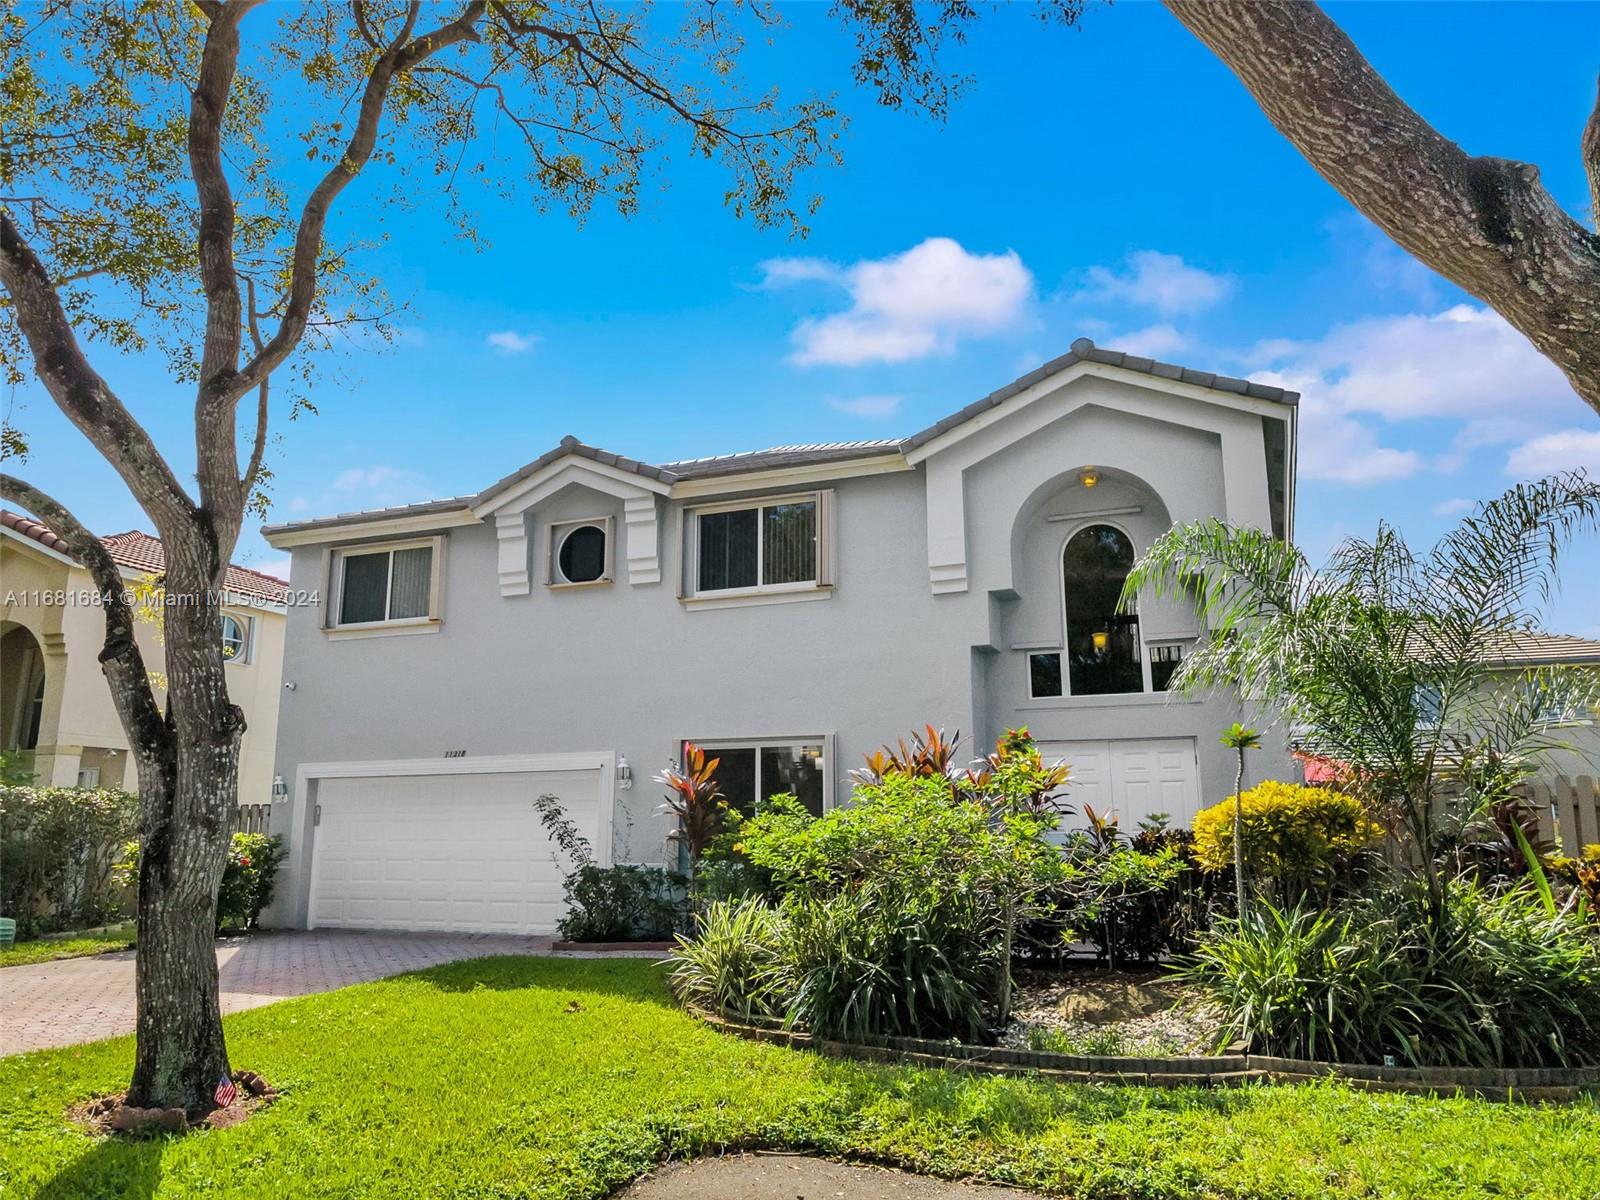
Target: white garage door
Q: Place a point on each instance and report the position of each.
(463, 851)
(1132, 778)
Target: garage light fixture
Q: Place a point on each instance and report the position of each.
(280, 789)
(624, 774)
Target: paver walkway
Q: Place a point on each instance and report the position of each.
(799, 1177)
(83, 999)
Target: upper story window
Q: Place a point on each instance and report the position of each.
(384, 585)
(775, 545)
(580, 552)
(1102, 646)
(235, 638)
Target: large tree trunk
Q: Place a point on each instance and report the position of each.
(186, 824)
(1486, 224)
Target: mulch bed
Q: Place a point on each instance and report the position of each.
(109, 1116)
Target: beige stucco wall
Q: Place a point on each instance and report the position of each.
(46, 595)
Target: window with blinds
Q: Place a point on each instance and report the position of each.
(383, 584)
(771, 545)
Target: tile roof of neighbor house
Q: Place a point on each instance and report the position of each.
(140, 552)
(1083, 350)
(1530, 648)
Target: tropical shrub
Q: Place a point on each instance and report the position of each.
(1296, 838)
(57, 855)
(734, 964)
(248, 879)
(694, 798)
(876, 961)
(1493, 979)
(608, 904)
(621, 903)
(895, 910)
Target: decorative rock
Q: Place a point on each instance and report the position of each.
(252, 1083)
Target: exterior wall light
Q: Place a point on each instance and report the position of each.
(280, 789)
(1101, 640)
(1088, 477)
(624, 774)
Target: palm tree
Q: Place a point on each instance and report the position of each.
(1237, 737)
(1391, 661)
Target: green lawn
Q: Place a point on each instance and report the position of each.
(49, 949)
(565, 1078)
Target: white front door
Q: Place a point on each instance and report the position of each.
(1131, 778)
(459, 851)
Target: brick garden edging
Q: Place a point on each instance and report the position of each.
(1553, 1084)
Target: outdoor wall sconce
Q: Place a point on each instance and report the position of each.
(1101, 640)
(280, 789)
(624, 774)
(1088, 477)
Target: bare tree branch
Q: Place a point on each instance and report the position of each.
(1486, 224)
(121, 658)
(401, 55)
(78, 389)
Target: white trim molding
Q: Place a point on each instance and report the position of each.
(510, 507)
(388, 527)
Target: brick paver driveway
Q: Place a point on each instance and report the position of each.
(82, 999)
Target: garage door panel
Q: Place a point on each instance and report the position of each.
(445, 852)
(1131, 779)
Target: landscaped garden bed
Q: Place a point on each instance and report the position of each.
(1143, 1013)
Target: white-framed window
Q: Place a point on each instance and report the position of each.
(756, 769)
(88, 777)
(392, 583)
(235, 638)
(750, 547)
(580, 552)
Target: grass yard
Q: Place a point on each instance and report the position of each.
(49, 949)
(566, 1078)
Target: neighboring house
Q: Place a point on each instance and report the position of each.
(567, 629)
(55, 704)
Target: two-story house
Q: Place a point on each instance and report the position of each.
(56, 711)
(567, 629)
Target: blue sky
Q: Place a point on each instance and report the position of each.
(1114, 181)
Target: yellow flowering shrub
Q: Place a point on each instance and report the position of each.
(1292, 833)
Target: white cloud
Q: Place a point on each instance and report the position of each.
(1153, 341)
(509, 341)
(875, 407)
(911, 305)
(359, 480)
(780, 272)
(1333, 445)
(1454, 507)
(1464, 365)
(1160, 281)
(1564, 450)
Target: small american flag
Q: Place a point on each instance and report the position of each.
(226, 1093)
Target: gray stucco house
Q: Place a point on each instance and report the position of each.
(569, 627)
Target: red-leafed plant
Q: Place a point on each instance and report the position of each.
(695, 799)
(930, 754)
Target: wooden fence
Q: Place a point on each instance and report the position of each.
(253, 818)
(1569, 811)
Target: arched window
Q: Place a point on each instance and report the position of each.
(1102, 644)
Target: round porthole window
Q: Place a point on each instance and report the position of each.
(582, 556)
(233, 638)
